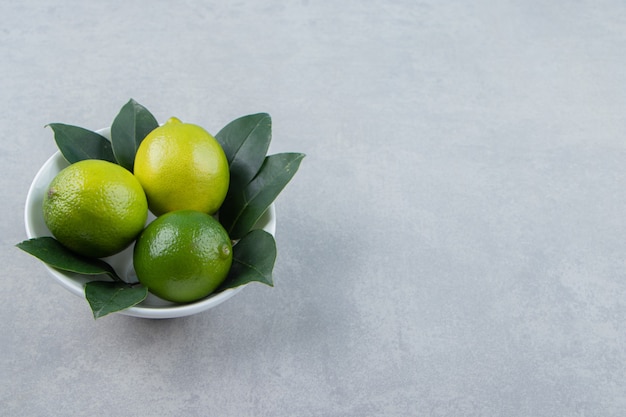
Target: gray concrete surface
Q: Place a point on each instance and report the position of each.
(453, 245)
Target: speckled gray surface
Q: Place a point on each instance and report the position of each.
(453, 245)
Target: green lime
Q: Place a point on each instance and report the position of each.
(183, 256)
(95, 208)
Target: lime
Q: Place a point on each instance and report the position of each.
(183, 256)
(95, 208)
(181, 166)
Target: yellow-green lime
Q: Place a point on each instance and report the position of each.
(183, 256)
(181, 166)
(95, 208)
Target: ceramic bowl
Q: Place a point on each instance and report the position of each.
(152, 307)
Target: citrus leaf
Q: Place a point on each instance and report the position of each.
(77, 143)
(129, 128)
(52, 252)
(253, 260)
(244, 206)
(245, 142)
(106, 297)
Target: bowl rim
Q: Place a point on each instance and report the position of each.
(75, 287)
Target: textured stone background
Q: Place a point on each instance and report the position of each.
(453, 244)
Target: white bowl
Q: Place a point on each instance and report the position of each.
(152, 307)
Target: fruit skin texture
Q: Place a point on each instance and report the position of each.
(181, 166)
(95, 208)
(183, 256)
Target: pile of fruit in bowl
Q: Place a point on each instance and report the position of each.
(158, 220)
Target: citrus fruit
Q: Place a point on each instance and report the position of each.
(95, 208)
(183, 256)
(181, 166)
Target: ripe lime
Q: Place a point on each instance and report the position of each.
(183, 256)
(182, 167)
(96, 208)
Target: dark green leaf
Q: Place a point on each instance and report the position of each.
(245, 142)
(253, 260)
(50, 251)
(77, 143)
(245, 206)
(107, 297)
(130, 127)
